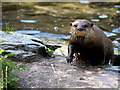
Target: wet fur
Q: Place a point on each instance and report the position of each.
(94, 47)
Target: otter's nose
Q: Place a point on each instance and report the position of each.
(80, 29)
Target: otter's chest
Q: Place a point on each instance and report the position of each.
(87, 50)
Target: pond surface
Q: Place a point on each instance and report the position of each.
(50, 21)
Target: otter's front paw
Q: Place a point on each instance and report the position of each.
(69, 59)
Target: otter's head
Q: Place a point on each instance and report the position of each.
(83, 32)
(81, 26)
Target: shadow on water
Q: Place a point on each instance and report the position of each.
(50, 21)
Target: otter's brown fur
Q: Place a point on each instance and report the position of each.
(90, 42)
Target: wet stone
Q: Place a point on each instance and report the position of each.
(23, 46)
(117, 30)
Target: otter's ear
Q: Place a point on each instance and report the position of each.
(91, 24)
(70, 23)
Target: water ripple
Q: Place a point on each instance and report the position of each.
(28, 21)
(103, 16)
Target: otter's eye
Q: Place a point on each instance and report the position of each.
(75, 25)
(85, 26)
(70, 23)
(91, 24)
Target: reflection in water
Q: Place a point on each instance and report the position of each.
(56, 28)
(116, 51)
(103, 16)
(29, 32)
(50, 15)
(84, 1)
(109, 34)
(52, 19)
(95, 20)
(117, 30)
(28, 21)
(118, 39)
(115, 42)
(114, 68)
(118, 11)
(117, 6)
(51, 36)
(39, 34)
(4, 23)
(55, 21)
(112, 25)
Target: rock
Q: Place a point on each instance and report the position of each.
(116, 60)
(25, 47)
(63, 51)
(41, 75)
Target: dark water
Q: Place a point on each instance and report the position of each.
(50, 21)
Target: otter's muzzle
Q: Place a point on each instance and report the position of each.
(80, 29)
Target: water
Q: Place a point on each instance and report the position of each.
(118, 11)
(95, 20)
(44, 35)
(28, 21)
(108, 34)
(50, 21)
(29, 32)
(114, 68)
(57, 16)
(4, 24)
(103, 16)
(85, 2)
(117, 6)
(115, 42)
(116, 30)
(112, 25)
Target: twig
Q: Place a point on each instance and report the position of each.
(2, 79)
(6, 76)
(55, 74)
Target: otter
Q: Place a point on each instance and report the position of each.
(89, 43)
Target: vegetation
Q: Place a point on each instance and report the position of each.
(8, 29)
(50, 52)
(8, 79)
